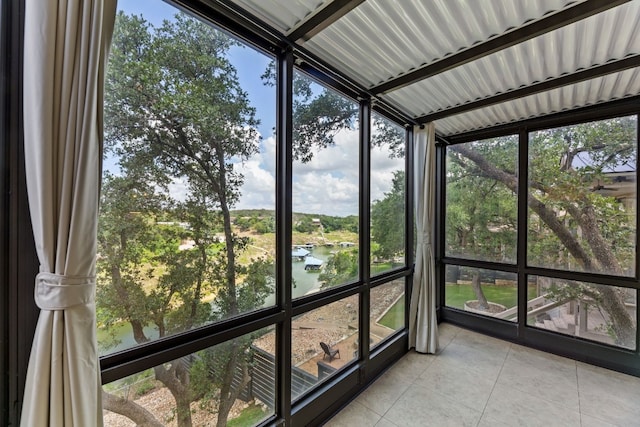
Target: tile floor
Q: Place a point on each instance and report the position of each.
(476, 380)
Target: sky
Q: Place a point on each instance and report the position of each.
(326, 185)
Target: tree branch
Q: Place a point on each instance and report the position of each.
(547, 215)
(128, 408)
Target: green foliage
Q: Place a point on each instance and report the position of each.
(387, 134)
(387, 220)
(305, 225)
(261, 223)
(145, 387)
(342, 267)
(569, 168)
(481, 212)
(318, 114)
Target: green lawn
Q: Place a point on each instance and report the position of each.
(250, 416)
(377, 268)
(394, 318)
(456, 295)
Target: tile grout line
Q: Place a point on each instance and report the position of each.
(413, 382)
(494, 384)
(578, 390)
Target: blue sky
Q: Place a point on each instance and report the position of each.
(326, 185)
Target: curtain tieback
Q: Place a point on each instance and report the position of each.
(57, 292)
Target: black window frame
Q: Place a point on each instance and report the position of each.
(600, 354)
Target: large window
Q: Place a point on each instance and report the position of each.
(325, 188)
(481, 203)
(387, 196)
(323, 342)
(481, 224)
(193, 304)
(582, 186)
(583, 309)
(579, 240)
(582, 217)
(187, 220)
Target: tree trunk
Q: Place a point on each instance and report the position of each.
(612, 301)
(177, 382)
(622, 325)
(228, 234)
(123, 294)
(477, 289)
(136, 413)
(228, 394)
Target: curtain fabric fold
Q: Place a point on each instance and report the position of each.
(423, 325)
(65, 50)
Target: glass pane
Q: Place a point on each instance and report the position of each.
(595, 312)
(325, 188)
(481, 202)
(323, 341)
(186, 228)
(387, 308)
(487, 292)
(582, 197)
(387, 195)
(187, 391)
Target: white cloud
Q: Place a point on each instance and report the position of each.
(382, 168)
(259, 188)
(328, 184)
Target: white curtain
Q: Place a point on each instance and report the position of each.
(423, 326)
(65, 48)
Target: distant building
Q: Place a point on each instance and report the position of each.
(299, 254)
(312, 263)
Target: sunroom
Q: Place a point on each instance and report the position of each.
(245, 212)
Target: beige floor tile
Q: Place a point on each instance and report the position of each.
(383, 393)
(446, 333)
(460, 384)
(386, 423)
(480, 360)
(354, 415)
(411, 366)
(543, 375)
(609, 395)
(419, 406)
(487, 421)
(543, 361)
(481, 342)
(481, 381)
(589, 421)
(510, 406)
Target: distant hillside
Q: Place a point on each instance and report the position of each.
(302, 222)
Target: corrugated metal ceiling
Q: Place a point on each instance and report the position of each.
(381, 44)
(384, 38)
